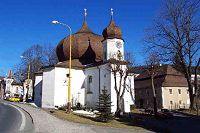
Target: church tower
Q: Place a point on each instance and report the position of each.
(113, 44)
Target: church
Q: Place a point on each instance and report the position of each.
(91, 70)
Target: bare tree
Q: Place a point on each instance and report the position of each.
(121, 71)
(50, 55)
(36, 56)
(176, 35)
(153, 68)
(197, 86)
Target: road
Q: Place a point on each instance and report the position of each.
(14, 119)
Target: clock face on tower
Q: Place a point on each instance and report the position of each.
(118, 44)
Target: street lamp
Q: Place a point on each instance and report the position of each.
(28, 81)
(70, 62)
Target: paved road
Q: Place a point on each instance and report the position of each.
(14, 120)
(46, 123)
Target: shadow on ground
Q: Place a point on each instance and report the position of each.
(176, 124)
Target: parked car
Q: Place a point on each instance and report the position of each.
(14, 99)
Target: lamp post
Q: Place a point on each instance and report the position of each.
(28, 81)
(70, 62)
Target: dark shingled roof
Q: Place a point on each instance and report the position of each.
(82, 40)
(166, 77)
(112, 31)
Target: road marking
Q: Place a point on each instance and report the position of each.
(23, 117)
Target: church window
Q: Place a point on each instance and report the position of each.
(90, 79)
(89, 86)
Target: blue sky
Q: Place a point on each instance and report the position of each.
(27, 22)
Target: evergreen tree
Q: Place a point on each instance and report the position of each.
(104, 106)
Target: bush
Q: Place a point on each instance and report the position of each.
(64, 108)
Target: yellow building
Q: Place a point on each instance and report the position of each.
(170, 85)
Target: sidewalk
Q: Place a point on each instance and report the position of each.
(47, 123)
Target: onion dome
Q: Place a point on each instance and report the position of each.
(112, 31)
(86, 46)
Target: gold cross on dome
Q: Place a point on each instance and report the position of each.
(85, 12)
(111, 11)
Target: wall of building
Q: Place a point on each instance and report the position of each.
(175, 100)
(48, 88)
(16, 90)
(100, 80)
(144, 97)
(61, 87)
(38, 90)
(8, 86)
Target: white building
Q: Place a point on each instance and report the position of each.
(91, 70)
(10, 88)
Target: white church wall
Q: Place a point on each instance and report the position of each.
(38, 90)
(48, 86)
(78, 88)
(93, 89)
(61, 86)
(107, 82)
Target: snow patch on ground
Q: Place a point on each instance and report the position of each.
(85, 113)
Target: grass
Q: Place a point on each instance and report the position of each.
(136, 111)
(116, 123)
(191, 112)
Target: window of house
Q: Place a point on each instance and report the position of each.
(171, 102)
(104, 75)
(170, 91)
(180, 101)
(179, 91)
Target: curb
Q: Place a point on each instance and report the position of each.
(23, 110)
